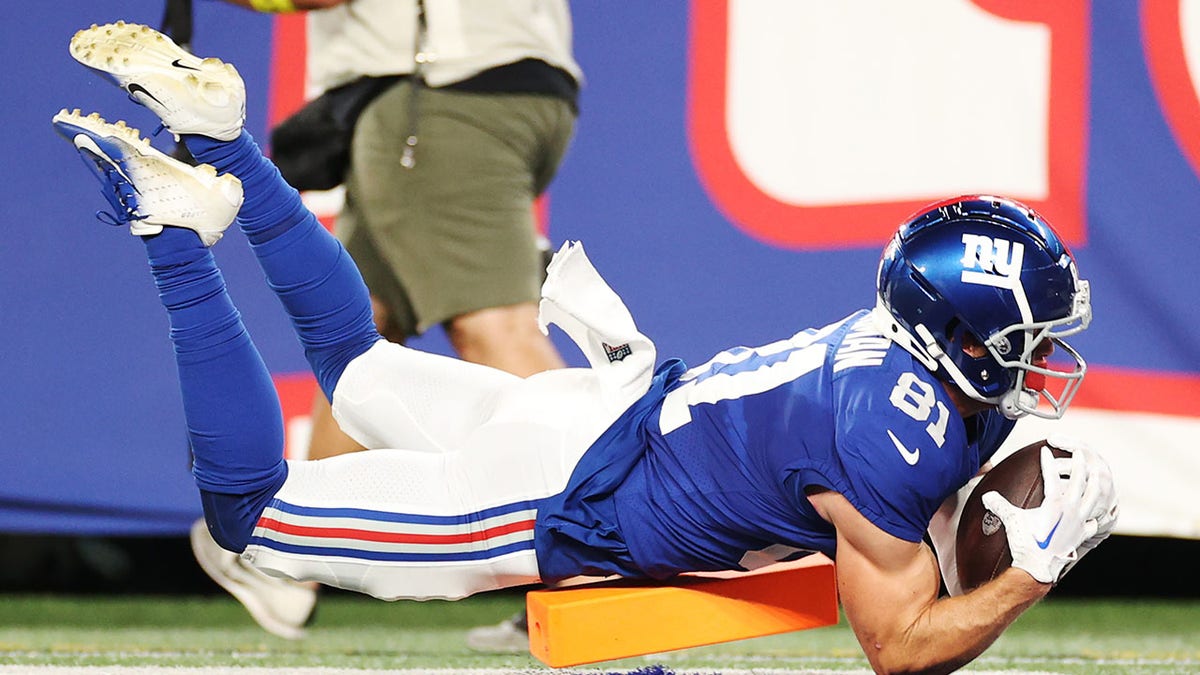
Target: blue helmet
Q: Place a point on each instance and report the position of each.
(990, 271)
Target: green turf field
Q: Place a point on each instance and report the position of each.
(1059, 636)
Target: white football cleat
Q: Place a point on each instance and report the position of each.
(146, 188)
(190, 95)
(281, 606)
(510, 636)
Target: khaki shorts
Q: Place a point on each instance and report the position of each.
(456, 232)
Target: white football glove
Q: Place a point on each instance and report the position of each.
(1107, 508)
(1047, 540)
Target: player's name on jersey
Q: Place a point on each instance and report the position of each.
(863, 346)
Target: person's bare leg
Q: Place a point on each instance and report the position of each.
(326, 438)
(506, 337)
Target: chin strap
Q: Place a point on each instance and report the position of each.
(1016, 403)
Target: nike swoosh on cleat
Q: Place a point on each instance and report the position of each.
(134, 88)
(178, 63)
(1043, 543)
(87, 144)
(910, 456)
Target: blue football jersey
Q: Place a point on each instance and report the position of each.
(708, 471)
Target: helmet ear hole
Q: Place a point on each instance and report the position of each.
(973, 347)
(961, 335)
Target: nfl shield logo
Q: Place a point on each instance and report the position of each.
(616, 353)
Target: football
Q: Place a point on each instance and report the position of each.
(981, 543)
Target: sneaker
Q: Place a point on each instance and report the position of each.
(281, 606)
(146, 188)
(510, 636)
(189, 94)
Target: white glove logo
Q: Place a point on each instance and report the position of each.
(1043, 543)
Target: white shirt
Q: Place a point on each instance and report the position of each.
(465, 37)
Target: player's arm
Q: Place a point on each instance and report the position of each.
(889, 591)
(889, 586)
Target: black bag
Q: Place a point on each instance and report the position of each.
(312, 147)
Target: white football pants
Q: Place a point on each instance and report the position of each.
(442, 503)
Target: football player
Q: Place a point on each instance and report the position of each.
(843, 439)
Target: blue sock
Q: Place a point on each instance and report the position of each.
(316, 280)
(234, 421)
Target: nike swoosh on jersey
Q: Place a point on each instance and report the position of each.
(910, 456)
(1043, 543)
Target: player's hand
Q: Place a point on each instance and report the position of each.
(1107, 508)
(1045, 541)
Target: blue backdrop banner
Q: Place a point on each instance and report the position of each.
(737, 168)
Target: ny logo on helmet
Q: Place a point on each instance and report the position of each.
(991, 262)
